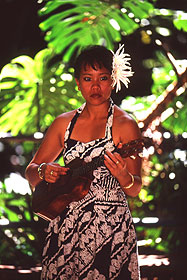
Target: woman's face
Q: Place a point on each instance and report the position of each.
(95, 84)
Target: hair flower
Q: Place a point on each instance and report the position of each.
(121, 68)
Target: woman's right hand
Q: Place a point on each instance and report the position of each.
(52, 171)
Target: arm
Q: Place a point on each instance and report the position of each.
(48, 151)
(127, 171)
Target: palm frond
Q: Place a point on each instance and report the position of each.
(32, 93)
(90, 22)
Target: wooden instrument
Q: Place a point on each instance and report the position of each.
(50, 199)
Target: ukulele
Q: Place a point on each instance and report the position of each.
(50, 199)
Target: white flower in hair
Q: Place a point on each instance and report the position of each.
(121, 68)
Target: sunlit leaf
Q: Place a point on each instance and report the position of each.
(181, 21)
(27, 92)
(74, 25)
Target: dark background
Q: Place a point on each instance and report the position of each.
(20, 34)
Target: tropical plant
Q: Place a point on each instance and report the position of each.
(35, 91)
(172, 115)
(21, 231)
(23, 242)
(71, 25)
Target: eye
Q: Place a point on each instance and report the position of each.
(104, 78)
(87, 79)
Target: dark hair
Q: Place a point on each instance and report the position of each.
(93, 55)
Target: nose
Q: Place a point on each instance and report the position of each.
(96, 85)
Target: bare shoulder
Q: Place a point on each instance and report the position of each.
(125, 126)
(56, 131)
(63, 120)
(66, 116)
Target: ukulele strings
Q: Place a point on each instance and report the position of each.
(131, 148)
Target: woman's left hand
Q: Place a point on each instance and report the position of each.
(116, 164)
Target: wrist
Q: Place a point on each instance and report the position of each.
(130, 185)
(41, 170)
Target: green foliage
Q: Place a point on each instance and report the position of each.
(20, 245)
(36, 91)
(180, 22)
(163, 75)
(164, 197)
(169, 200)
(176, 123)
(90, 22)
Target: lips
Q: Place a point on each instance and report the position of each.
(96, 95)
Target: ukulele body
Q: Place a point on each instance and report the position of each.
(50, 199)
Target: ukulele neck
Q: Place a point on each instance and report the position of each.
(130, 149)
(88, 167)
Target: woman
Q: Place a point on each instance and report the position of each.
(93, 238)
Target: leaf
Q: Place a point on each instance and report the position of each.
(140, 9)
(126, 24)
(7, 85)
(177, 124)
(180, 24)
(50, 6)
(27, 93)
(115, 35)
(181, 21)
(83, 22)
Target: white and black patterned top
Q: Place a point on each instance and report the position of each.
(93, 238)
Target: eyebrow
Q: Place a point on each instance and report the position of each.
(104, 73)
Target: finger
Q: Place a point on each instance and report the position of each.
(50, 174)
(116, 158)
(111, 163)
(51, 180)
(53, 173)
(52, 177)
(119, 159)
(111, 156)
(119, 146)
(58, 170)
(63, 171)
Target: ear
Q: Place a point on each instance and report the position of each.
(112, 86)
(77, 82)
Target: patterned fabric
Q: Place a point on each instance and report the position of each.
(93, 238)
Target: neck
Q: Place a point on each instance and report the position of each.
(98, 111)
